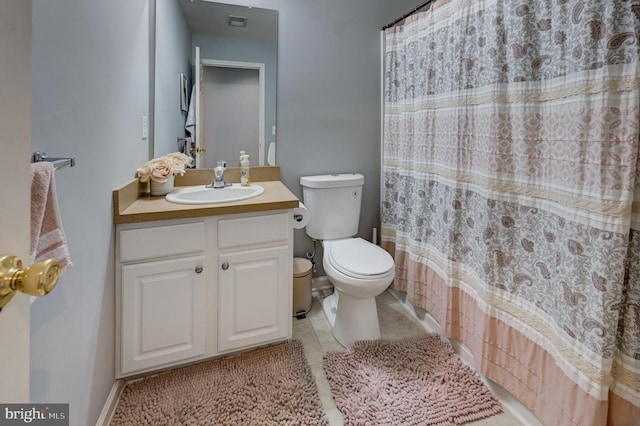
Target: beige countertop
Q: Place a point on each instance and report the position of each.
(133, 204)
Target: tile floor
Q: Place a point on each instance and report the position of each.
(395, 322)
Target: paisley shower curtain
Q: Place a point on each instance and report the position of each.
(511, 193)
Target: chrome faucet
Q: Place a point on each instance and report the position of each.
(218, 181)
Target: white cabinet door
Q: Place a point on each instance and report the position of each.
(253, 297)
(163, 313)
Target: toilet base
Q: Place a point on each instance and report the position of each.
(330, 307)
(351, 318)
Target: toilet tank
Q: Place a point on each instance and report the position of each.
(334, 203)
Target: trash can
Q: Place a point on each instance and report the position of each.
(301, 286)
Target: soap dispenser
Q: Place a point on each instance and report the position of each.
(245, 176)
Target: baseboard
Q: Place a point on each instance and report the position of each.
(320, 284)
(110, 404)
(510, 403)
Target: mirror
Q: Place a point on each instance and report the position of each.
(237, 63)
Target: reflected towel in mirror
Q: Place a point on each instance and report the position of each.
(190, 124)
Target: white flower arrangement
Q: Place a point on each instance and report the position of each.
(162, 168)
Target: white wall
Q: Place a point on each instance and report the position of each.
(90, 89)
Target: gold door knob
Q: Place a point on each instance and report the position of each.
(35, 280)
(198, 149)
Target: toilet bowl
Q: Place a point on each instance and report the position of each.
(359, 271)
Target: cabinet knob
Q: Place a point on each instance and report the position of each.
(199, 269)
(225, 265)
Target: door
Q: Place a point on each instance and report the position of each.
(233, 111)
(253, 297)
(231, 119)
(163, 313)
(15, 190)
(198, 135)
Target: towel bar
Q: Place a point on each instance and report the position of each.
(58, 162)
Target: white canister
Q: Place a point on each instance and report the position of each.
(161, 188)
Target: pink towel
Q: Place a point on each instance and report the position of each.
(47, 235)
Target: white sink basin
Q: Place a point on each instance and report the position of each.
(203, 195)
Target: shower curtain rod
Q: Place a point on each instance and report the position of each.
(409, 13)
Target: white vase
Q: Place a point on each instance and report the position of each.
(163, 188)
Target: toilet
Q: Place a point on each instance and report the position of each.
(358, 269)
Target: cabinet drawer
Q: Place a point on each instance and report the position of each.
(252, 230)
(161, 241)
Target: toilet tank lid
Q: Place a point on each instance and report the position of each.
(332, 181)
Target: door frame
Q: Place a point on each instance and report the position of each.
(260, 67)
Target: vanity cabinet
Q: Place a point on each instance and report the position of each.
(192, 289)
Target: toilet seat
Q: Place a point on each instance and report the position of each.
(358, 258)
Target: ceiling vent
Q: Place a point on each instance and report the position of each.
(237, 21)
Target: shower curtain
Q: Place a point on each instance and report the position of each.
(511, 193)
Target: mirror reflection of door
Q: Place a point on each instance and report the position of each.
(231, 114)
(195, 120)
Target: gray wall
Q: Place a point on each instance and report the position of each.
(329, 94)
(90, 89)
(172, 57)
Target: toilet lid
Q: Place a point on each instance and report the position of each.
(358, 258)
